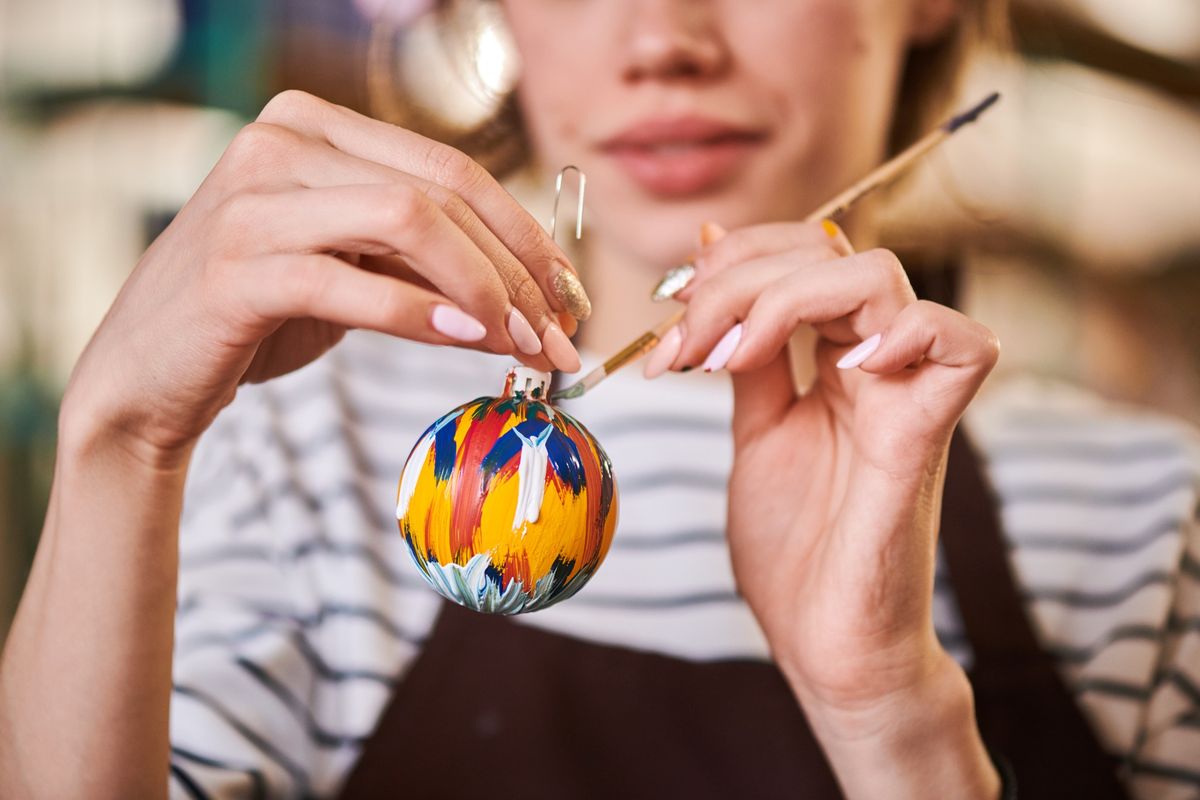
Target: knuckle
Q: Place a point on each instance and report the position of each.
(525, 238)
(773, 302)
(237, 206)
(927, 309)
(290, 105)
(826, 252)
(706, 304)
(407, 208)
(529, 237)
(523, 290)
(481, 295)
(926, 315)
(452, 168)
(888, 269)
(452, 205)
(256, 143)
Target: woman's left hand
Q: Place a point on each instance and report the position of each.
(835, 495)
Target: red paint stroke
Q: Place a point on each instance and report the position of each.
(593, 479)
(516, 566)
(467, 484)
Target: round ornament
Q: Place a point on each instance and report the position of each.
(507, 503)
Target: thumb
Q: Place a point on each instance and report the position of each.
(762, 395)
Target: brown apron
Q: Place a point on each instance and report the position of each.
(493, 708)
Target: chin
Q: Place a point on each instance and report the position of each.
(662, 234)
(657, 235)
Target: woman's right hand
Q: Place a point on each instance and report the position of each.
(317, 220)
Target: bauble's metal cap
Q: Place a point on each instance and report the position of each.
(523, 380)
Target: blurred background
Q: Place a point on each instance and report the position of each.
(1079, 210)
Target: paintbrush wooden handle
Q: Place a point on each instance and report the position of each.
(879, 176)
(883, 175)
(643, 344)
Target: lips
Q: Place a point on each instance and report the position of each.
(681, 156)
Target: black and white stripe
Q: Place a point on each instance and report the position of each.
(299, 605)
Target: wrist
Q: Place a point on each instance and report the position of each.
(922, 741)
(90, 429)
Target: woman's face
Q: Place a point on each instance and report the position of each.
(685, 111)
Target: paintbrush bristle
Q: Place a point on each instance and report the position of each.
(971, 114)
(570, 393)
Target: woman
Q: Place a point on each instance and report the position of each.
(297, 605)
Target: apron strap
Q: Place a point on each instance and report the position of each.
(1025, 710)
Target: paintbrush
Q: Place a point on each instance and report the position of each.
(679, 278)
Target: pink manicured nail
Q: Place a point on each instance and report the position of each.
(721, 354)
(861, 353)
(523, 334)
(560, 350)
(449, 321)
(664, 353)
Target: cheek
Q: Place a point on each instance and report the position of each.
(548, 100)
(548, 89)
(809, 55)
(826, 69)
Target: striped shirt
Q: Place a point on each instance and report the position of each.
(299, 604)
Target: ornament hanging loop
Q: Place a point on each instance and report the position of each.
(558, 187)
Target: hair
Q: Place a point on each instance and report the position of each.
(933, 73)
(929, 83)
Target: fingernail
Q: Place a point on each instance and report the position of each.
(711, 232)
(664, 353)
(673, 282)
(568, 323)
(570, 291)
(720, 354)
(450, 321)
(831, 228)
(523, 334)
(560, 350)
(861, 353)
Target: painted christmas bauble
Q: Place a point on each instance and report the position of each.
(507, 503)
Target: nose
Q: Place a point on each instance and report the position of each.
(672, 40)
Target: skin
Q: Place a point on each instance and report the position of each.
(317, 220)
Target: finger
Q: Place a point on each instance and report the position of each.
(569, 324)
(762, 395)
(397, 219)
(719, 300)
(846, 298)
(317, 165)
(376, 220)
(398, 268)
(274, 288)
(265, 290)
(392, 265)
(438, 163)
(928, 333)
(760, 241)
